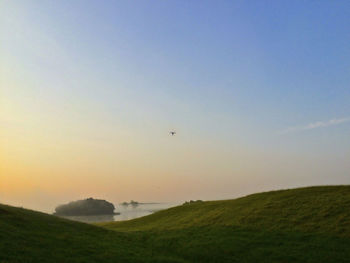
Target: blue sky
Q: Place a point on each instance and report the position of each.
(250, 82)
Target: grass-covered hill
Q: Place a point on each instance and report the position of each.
(313, 209)
(299, 225)
(29, 236)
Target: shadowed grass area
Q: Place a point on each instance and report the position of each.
(238, 244)
(299, 225)
(29, 236)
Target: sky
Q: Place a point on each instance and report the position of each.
(257, 91)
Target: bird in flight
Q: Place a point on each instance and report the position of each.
(172, 133)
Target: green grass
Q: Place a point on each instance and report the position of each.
(314, 209)
(299, 225)
(28, 236)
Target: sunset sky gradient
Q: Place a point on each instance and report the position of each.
(258, 92)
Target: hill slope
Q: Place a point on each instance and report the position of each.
(299, 225)
(322, 209)
(29, 236)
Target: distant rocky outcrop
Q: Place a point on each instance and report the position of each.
(85, 207)
(132, 203)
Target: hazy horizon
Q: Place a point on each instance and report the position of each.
(258, 93)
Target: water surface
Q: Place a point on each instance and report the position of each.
(126, 213)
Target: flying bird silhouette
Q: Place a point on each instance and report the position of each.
(172, 133)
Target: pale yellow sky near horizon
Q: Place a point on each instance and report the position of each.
(50, 156)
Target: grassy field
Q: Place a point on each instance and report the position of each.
(299, 225)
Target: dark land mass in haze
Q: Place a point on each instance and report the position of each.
(85, 207)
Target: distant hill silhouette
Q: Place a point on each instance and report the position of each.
(85, 207)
